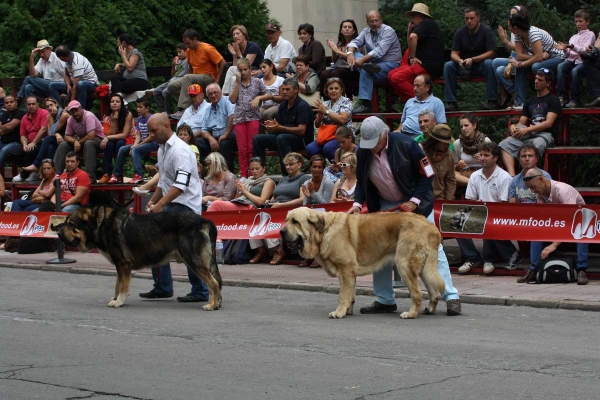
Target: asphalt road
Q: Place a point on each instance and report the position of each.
(58, 340)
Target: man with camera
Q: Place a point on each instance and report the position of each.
(591, 67)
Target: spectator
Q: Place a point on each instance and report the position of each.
(33, 128)
(84, 132)
(424, 99)
(317, 190)
(143, 145)
(348, 32)
(427, 120)
(251, 193)
(242, 48)
(57, 122)
(286, 194)
(345, 138)
(180, 68)
(178, 190)
(247, 94)
(473, 49)
(343, 189)
(553, 192)
(80, 77)
(44, 192)
(272, 82)
(591, 67)
(118, 127)
(308, 81)
(425, 53)
(10, 127)
(331, 114)
(573, 66)
(219, 183)
(311, 48)
(437, 150)
(535, 50)
(503, 70)
(193, 116)
(206, 65)
(489, 184)
(74, 185)
(131, 73)
(292, 130)
(383, 55)
(542, 113)
(279, 50)
(391, 174)
(2, 97)
(518, 192)
(217, 129)
(467, 158)
(49, 68)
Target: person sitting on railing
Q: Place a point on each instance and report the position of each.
(311, 48)
(240, 48)
(44, 192)
(280, 51)
(541, 114)
(591, 65)
(10, 126)
(340, 69)
(49, 68)
(131, 73)
(180, 68)
(466, 149)
(33, 128)
(80, 78)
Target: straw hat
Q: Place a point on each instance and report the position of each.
(42, 44)
(419, 8)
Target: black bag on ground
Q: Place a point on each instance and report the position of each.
(557, 269)
(236, 251)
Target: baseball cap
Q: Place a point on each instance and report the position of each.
(370, 130)
(194, 89)
(272, 27)
(73, 104)
(42, 44)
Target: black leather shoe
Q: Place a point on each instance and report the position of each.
(378, 308)
(363, 109)
(452, 106)
(490, 105)
(595, 103)
(371, 68)
(154, 294)
(190, 298)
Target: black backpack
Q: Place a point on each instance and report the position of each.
(236, 251)
(557, 269)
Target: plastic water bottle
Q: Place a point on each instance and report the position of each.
(332, 66)
(219, 250)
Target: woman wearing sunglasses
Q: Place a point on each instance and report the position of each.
(343, 190)
(43, 192)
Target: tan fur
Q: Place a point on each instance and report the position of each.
(348, 246)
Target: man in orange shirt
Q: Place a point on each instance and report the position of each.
(206, 66)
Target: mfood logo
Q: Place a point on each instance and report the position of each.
(30, 226)
(262, 224)
(585, 224)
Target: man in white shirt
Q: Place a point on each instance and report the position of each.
(279, 50)
(194, 114)
(178, 189)
(489, 184)
(48, 69)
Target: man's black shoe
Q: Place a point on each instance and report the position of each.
(490, 105)
(378, 308)
(452, 106)
(154, 294)
(190, 298)
(363, 108)
(371, 68)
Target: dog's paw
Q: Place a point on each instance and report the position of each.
(112, 302)
(209, 307)
(337, 314)
(408, 315)
(428, 311)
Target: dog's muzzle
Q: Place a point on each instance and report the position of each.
(291, 243)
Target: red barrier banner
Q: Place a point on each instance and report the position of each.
(30, 224)
(527, 222)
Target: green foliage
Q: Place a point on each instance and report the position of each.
(91, 27)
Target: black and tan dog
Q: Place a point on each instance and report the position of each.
(136, 241)
(348, 246)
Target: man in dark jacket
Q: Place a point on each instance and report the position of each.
(393, 172)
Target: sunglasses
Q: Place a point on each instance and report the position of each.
(255, 159)
(528, 178)
(544, 70)
(344, 164)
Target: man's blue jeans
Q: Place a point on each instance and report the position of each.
(35, 87)
(481, 69)
(366, 81)
(520, 86)
(5, 151)
(535, 253)
(163, 280)
(382, 279)
(136, 155)
(576, 72)
(84, 89)
(47, 150)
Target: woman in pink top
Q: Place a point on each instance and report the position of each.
(43, 192)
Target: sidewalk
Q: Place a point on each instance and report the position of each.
(473, 289)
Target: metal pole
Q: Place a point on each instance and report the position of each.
(60, 247)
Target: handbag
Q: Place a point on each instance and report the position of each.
(326, 133)
(236, 251)
(557, 269)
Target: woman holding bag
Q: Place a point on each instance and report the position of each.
(331, 114)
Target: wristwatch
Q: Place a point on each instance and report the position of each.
(349, 52)
(327, 112)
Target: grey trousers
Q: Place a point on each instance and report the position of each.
(178, 88)
(90, 149)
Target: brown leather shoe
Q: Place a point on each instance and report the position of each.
(258, 257)
(305, 263)
(277, 257)
(105, 178)
(528, 278)
(582, 278)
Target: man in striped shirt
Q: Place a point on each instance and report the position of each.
(80, 77)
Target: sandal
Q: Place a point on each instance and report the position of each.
(305, 263)
(509, 98)
(277, 258)
(314, 264)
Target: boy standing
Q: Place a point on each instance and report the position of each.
(573, 64)
(180, 67)
(144, 144)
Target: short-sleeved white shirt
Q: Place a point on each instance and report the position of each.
(493, 189)
(53, 69)
(283, 49)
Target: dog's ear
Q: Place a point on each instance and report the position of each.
(88, 217)
(318, 220)
(58, 227)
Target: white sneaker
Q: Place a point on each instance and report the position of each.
(33, 176)
(466, 267)
(513, 261)
(19, 177)
(488, 268)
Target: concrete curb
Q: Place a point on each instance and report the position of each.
(400, 293)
